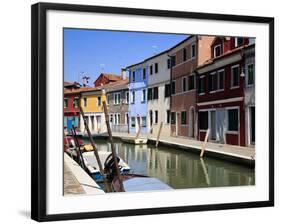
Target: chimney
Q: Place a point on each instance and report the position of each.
(123, 73)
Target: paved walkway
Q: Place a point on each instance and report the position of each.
(70, 183)
(76, 180)
(238, 152)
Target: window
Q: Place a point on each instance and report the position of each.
(156, 67)
(65, 103)
(184, 84)
(251, 74)
(168, 114)
(213, 82)
(117, 98)
(168, 63)
(173, 88)
(221, 79)
(191, 82)
(115, 119)
(127, 97)
(201, 88)
(107, 98)
(232, 119)
(149, 93)
(173, 61)
(217, 51)
(156, 117)
(184, 54)
(126, 118)
(143, 97)
(144, 74)
(111, 118)
(183, 117)
(173, 117)
(85, 101)
(193, 51)
(235, 76)
(239, 41)
(133, 122)
(167, 90)
(143, 121)
(203, 120)
(155, 93)
(75, 102)
(134, 76)
(99, 101)
(133, 97)
(118, 118)
(151, 69)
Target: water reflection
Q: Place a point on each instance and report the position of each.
(180, 169)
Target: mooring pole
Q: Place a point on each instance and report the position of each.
(159, 132)
(92, 142)
(204, 144)
(79, 154)
(112, 146)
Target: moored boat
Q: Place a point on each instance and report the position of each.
(133, 140)
(106, 159)
(136, 182)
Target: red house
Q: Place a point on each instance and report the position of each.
(220, 95)
(71, 105)
(105, 78)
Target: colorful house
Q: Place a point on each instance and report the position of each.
(105, 78)
(220, 95)
(117, 98)
(184, 59)
(158, 94)
(138, 78)
(91, 103)
(249, 72)
(71, 105)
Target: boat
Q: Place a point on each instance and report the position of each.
(70, 146)
(107, 161)
(133, 140)
(136, 182)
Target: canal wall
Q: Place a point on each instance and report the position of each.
(236, 154)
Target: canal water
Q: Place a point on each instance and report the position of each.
(178, 168)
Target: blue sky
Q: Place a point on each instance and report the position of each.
(90, 52)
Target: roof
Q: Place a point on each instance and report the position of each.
(110, 76)
(212, 60)
(118, 85)
(67, 84)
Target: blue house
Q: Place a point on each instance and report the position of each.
(138, 110)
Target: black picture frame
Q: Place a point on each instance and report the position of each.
(39, 122)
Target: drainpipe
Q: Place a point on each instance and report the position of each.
(171, 69)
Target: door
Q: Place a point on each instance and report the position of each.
(213, 125)
(191, 122)
(220, 122)
(253, 124)
(69, 123)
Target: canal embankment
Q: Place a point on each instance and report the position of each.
(77, 181)
(232, 153)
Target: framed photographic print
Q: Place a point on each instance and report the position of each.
(139, 111)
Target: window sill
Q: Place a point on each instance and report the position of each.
(234, 87)
(232, 132)
(201, 94)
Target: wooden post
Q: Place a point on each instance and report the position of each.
(112, 146)
(205, 171)
(204, 144)
(138, 133)
(159, 132)
(92, 143)
(79, 154)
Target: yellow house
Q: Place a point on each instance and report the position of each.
(91, 103)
